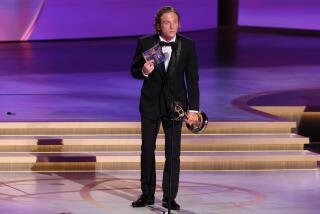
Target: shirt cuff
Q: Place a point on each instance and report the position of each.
(194, 111)
(144, 73)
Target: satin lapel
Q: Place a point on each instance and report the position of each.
(162, 69)
(177, 56)
(178, 50)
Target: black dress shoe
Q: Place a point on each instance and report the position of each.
(173, 204)
(143, 201)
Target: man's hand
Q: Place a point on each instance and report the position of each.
(148, 67)
(192, 118)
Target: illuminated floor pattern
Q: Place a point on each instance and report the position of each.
(200, 192)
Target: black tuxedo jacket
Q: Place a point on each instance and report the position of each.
(160, 88)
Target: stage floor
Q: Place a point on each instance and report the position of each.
(91, 81)
(200, 192)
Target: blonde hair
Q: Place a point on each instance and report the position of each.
(160, 12)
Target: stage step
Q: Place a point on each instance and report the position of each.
(131, 161)
(203, 142)
(90, 146)
(104, 128)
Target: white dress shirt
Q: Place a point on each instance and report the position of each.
(167, 50)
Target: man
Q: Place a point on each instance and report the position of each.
(175, 79)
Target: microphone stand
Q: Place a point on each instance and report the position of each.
(171, 166)
(173, 119)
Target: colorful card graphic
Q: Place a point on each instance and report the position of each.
(155, 53)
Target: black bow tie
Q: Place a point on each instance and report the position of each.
(173, 45)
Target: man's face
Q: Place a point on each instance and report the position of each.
(169, 25)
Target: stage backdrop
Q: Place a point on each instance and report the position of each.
(295, 14)
(69, 19)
